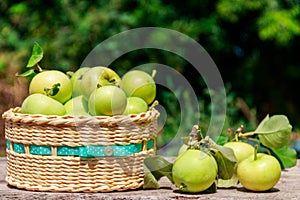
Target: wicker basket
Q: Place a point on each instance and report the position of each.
(78, 154)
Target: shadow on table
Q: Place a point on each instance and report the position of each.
(272, 190)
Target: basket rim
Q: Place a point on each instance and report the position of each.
(15, 115)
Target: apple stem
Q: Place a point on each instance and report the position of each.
(246, 134)
(255, 151)
(155, 103)
(153, 73)
(38, 69)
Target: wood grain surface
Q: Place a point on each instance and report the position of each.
(287, 188)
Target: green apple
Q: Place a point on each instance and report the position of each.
(242, 150)
(77, 106)
(52, 83)
(259, 172)
(194, 171)
(138, 83)
(76, 81)
(42, 104)
(135, 105)
(96, 77)
(107, 100)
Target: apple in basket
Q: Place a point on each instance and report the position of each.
(76, 80)
(135, 105)
(42, 104)
(97, 77)
(52, 83)
(137, 83)
(107, 100)
(77, 106)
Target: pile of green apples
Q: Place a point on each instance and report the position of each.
(253, 159)
(195, 170)
(89, 91)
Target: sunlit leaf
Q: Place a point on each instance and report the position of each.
(233, 181)
(36, 55)
(274, 132)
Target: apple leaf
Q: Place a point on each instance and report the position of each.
(150, 181)
(28, 73)
(221, 140)
(224, 156)
(287, 156)
(226, 151)
(274, 132)
(233, 181)
(36, 55)
(158, 167)
(226, 167)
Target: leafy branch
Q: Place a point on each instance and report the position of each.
(273, 133)
(33, 62)
(157, 167)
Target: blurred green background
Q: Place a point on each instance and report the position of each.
(255, 45)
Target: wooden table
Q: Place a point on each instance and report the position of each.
(287, 188)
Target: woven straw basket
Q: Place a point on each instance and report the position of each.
(78, 154)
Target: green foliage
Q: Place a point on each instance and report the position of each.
(280, 25)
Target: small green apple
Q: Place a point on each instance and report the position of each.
(52, 83)
(42, 104)
(76, 81)
(77, 106)
(242, 150)
(194, 171)
(135, 105)
(259, 172)
(138, 83)
(96, 77)
(107, 100)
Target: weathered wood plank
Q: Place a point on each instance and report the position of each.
(287, 188)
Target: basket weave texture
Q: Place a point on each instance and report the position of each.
(102, 169)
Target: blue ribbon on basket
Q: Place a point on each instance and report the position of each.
(83, 151)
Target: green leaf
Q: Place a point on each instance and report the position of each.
(274, 132)
(159, 167)
(226, 151)
(226, 167)
(28, 73)
(221, 140)
(150, 181)
(36, 55)
(287, 156)
(233, 181)
(224, 156)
